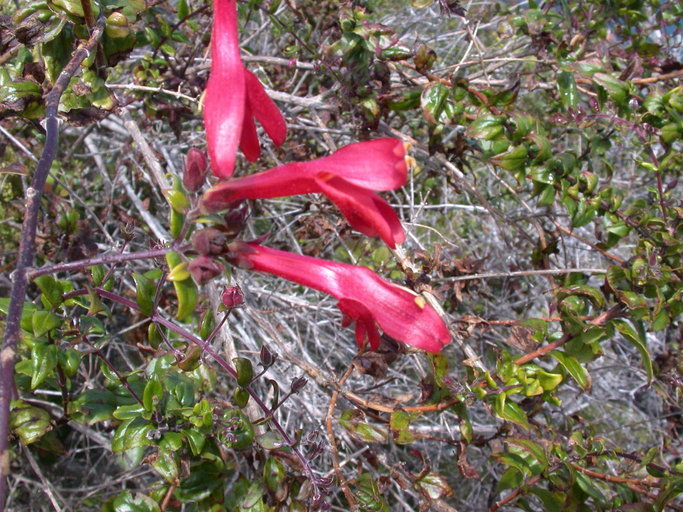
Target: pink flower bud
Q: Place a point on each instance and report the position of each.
(233, 297)
(196, 167)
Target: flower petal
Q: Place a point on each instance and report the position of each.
(249, 143)
(366, 211)
(366, 329)
(264, 109)
(225, 91)
(363, 295)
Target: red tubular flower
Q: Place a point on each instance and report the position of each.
(363, 296)
(234, 96)
(348, 178)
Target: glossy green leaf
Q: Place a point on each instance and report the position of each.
(186, 291)
(508, 410)
(437, 104)
(132, 433)
(166, 465)
(399, 423)
(152, 395)
(145, 293)
(616, 89)
(574, 368)
(535, 449)
(69, 360)
(569, 96)
(511, 159)
(43, 322)
(245, 371)
(44, 361)
(434, 486)
(195, 440)
(126, 502)
(51, 289)
(28, 422)
(636, 336)
(353, 420)
(486, 127)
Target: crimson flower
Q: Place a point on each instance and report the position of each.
(347, 177)
(234, 96)
(363, 296)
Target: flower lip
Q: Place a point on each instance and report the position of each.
(363, 296)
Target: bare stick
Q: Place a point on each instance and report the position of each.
(27, 248)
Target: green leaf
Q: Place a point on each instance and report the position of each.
(179, 273)
(176, 198)
(171, 441)
(145, 293)
(240, 434)
(204, 479)
(44, 359)
(487, 128)
(274, 473)
(165, 464)
(552, 501)
(616, 89)
(436, 103)
(510, 411)
(587, 486)
(186, 291)
(131, 433)
(399, 424)
(511, 159)
(69, 360)
(419, 4)
(574, 368)
(43, 322)
(353, 421)
(535, 449)
(245, 371)
(126, 412)
(96, 405)
(51, 289)
(368, 494)
(592, 294)
(433, 486)
(126, 502)
(152, 395)
(568, 92)
(511, 478)
(28, 422)
(637, 337)
(195, 440)
(183, 9)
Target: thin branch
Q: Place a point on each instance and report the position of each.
(27, 246)
(517, 273)
(105, 260)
